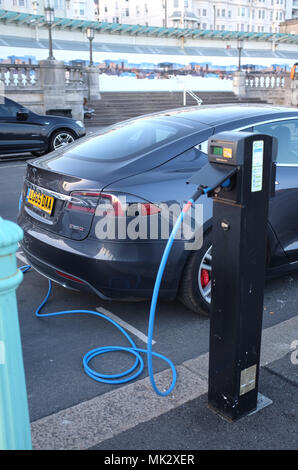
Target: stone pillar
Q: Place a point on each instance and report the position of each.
(93, 84)
(294, 92)
(239, 87)
(287, 91)
(59, 95)
(52, 81)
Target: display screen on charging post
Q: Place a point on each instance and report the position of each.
(225, 152)
(217, 150)
(222, 152)
(228, 153)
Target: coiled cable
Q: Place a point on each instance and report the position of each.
(138, 366)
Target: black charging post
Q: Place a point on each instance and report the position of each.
(239, 250)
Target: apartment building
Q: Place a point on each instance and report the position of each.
(82, 9)
(220, 15)
(231, 15)
(295, 9)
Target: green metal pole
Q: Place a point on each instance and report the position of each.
(14, 415)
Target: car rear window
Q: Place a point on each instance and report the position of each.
(129, 140)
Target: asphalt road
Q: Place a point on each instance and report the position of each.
(53, 347)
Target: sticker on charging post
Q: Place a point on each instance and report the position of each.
(227, 152)
(248, 379)
(257, 166)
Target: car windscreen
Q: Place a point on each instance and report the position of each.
(132, 139)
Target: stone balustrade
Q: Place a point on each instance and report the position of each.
(75, 76)
(265, 81)
(50, 85)
(271, 88)
(24, 76)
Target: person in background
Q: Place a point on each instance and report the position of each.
(88, 112)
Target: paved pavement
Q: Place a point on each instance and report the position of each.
(133, 417)
(70, 411)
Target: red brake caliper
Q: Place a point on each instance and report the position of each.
(204, 278)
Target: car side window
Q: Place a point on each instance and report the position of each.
(8, 108)
(287, 136)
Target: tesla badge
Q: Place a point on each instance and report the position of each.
(76, 227)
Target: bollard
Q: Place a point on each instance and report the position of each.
(14, 415)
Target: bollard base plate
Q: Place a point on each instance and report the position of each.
(261, 403)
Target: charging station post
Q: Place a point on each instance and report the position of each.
(239, 251)
(241, 171)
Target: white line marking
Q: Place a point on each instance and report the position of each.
(125, 325)
(21, 257)
(12, 166)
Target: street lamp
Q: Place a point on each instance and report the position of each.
(90, 36)
(239, 47)
(49, 17)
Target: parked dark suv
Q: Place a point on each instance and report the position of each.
(21, 130)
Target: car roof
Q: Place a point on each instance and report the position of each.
(213, 115)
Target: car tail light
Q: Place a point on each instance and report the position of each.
(102, 204)
(83, 201)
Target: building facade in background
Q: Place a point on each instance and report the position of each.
(221, 15)
(289, 26)
(295, 9)
(232, 15)
(81, 9)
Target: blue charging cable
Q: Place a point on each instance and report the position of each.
(138, 366)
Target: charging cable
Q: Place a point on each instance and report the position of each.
(138, 366)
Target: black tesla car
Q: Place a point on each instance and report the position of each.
(82, 207)
(22, 130)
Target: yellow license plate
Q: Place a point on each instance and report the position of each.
(40, 200)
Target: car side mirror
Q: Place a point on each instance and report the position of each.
(22, 114)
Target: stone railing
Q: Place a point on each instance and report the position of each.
(75, 76)
(16, 76)
(50, 86)
(28, 76)
(273, 88)
(265, 80)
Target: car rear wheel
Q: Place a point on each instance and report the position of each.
(61, 138)
(195, 285)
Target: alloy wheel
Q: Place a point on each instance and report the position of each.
(62, 139)
(204, 277)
